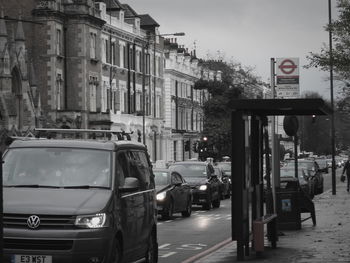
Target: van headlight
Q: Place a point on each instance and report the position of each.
(161, 196)
(203, 187)
(92, 221)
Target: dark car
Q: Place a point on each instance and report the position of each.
(78, 201)
(225, 189)
(203, 181)
(315, 173)
(323, 164)
(174, 195)
(287, 174)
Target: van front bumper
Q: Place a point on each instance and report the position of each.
(65, 246)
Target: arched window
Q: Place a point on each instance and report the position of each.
(17, 92)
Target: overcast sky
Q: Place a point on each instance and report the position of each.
(248, 31)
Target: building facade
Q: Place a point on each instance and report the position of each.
(19, 103)
(184, 115)
(82, 64)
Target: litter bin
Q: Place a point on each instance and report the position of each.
(288, 207)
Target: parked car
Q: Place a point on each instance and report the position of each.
(304, 177)
(315, 174)
(225, 190)
(323, 164)
(203, 181)
(78, 201)
(174, 194)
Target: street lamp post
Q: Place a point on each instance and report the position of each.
(332, 99)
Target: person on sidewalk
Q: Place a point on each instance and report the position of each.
(347, 170)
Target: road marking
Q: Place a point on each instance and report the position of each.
(168, 254)
(208, 251)
(164, 246)
(192, 247)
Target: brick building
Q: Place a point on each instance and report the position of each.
(81, 64)
(18, 92)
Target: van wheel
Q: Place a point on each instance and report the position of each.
(168, 213)
(117, 253)
(152, 251)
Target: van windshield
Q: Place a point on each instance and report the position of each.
(57, 167)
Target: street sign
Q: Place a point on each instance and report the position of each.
(287, 74)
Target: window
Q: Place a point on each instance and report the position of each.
(175, 149)
(159, 70)
(104, 97)
(138, 64)
(59, 92)
(158, 106)
(131, 58)
(93, 45)
(173, 115)
(157, 66)
(121, 55)
(134, 164)
(58, 42)
(104, 51)
(114, 54)
(138, 101)
(144, 168)
(116, 97)
(93, 87)
(148, 61)
(125, 55)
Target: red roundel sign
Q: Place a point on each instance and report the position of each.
(287, 66)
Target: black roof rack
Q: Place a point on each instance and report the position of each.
(106, 134)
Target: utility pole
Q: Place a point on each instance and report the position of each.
(332, 99)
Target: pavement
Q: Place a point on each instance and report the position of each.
(327, 242)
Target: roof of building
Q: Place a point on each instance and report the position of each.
(113, 4)
(147, 20)
(129, 12)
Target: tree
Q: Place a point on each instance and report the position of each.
(315, 129)
(340, 29)
(217, 110)
(341, 50)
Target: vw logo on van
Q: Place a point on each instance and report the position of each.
(33, 221)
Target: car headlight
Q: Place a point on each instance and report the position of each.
(161, 196)
(203, 187)
(92, 221)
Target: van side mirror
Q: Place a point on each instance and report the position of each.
(131, 184)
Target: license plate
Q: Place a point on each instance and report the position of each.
(31, 259)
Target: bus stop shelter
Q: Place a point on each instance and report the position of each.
(250, 140)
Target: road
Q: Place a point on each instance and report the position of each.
(182, 238)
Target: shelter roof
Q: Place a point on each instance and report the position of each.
(275, 107)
